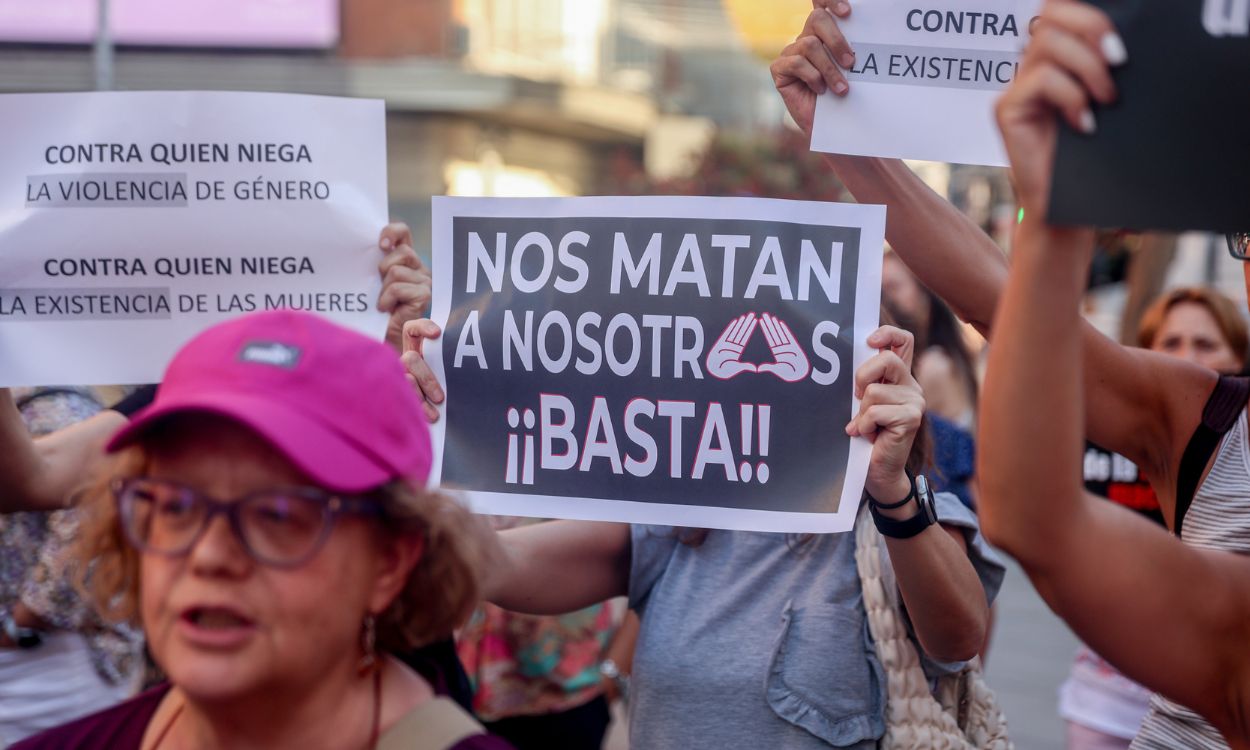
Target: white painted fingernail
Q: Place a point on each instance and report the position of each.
(1113, 48)
(1088, 124)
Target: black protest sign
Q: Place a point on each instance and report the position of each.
(679, 367)
(1173, 152)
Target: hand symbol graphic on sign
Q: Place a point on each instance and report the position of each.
(792, 364)
(724, 359)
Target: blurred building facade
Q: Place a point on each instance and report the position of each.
(484, 97)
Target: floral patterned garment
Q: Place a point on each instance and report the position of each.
(36, 561)
(526, 665)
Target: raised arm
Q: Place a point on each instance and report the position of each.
(1146, 418)
(943, 594)
(1170, 616)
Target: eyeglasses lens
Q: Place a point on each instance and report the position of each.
(162, 518)
(276, 528)
(282, 528)
(1239, 245)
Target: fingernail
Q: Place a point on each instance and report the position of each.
(1113, 48)
(839, 88)
(842, 9)
(385, 243)
(848, 427)
(848, 60)
(1088, 125)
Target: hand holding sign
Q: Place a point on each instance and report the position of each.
(806, 68)
(1064, 67)
(415, 332)
(890, 410)
(406, 282)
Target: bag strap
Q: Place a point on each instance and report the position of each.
(966, 714)
(437, 724)
(914, 718)
(1218, 416)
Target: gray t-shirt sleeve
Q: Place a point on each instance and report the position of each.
(985, 561)
(651, 548)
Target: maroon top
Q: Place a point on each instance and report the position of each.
(122, 726)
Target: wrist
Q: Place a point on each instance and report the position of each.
(920, 505)
(1037, 235)
(612, 675)
(891, 492)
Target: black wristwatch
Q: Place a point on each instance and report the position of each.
(926, 514)
(24, 638)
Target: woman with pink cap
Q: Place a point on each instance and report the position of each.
(265, 521)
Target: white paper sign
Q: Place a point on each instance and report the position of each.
(925, 80)
(674, 360)
(131, 221)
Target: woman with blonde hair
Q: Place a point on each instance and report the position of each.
(1197, 324)
(265, 521)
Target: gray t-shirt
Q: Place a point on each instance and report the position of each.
(754, 640)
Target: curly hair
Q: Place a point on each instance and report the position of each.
(438, 597)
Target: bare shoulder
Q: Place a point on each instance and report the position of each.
(1143, 404)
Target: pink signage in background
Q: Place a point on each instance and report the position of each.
(176, 23)
(230, 23)
(50, 21)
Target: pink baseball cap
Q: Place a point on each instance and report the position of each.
(331, 400)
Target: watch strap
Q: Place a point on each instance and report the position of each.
(924, 517)
(875, 503)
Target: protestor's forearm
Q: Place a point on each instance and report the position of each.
(42, 473)
(1029, 454)
(558, 567)
(1125, 412)
(946, 251)
(21, 468)
(621, 648)
(942, 592)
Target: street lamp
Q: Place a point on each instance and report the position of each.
(103, 48)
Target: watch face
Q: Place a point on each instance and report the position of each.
(924, 495)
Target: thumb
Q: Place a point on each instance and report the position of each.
(417, 331)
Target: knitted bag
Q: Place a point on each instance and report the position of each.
(964, 715)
